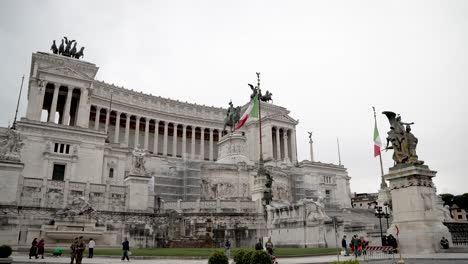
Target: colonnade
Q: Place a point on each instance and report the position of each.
(187, 140)
(283, 144)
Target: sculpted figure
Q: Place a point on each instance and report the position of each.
(80, 53)
(61, 48)
(232, 116)
(403, 142)
(138, 162)
(11, 146)
(73, 50)
(54, 48)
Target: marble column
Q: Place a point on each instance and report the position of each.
(146, 133)
(40, 101)
(278, 144)
(127, 129)
(202, 143)
(53, 106)
(66, 111)
(174, 141)
(82, 116)
(166, 135)
(285, 142)
(98, 116)
(184, 141)
(156, 137)
(193, 142)
(106, 127)
(211, 144)
(137, 132)
(117, 127)
(293, 146)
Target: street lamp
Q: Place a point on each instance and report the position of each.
(380, 214)
(387, 212)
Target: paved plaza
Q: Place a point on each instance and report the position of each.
(426, 258)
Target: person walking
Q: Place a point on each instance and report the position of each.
(73, 246)
(344, 245)
(33, 249)
(227, 248)
(269, 246)
(125, 249)
(40, 248)
(80, 247)
(259, 245)
(356, 243)
(91, 245)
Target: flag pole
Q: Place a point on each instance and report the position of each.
(339, 154)
(17, 104)
(383, 184)
(259, 119)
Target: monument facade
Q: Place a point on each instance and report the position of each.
(149, 167)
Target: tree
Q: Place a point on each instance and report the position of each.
(447, 198)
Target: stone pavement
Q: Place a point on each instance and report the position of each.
(428, 258)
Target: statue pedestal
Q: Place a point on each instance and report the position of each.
(138, 194)
(232, 148)
(414, 209)
(384, 197)
(10, 175)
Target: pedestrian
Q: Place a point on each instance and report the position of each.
(33, 249)
(259, 245)
(80, 247)
(356, 246)
(40, 248)
(391, 241)
(269, 246)
(91, 245)
(125, 249)
(344, 245)
(227, 248)
(73, 246)
(444, 243)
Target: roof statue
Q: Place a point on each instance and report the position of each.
(264, 98)
(232, 116)
(67, 48)
(403, 142)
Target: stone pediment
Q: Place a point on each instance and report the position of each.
(66, 71)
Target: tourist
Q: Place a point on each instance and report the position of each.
(444, 243)
(269, 246)
(125, 249)
(33, 249)
(356, 243)
(344, 245)
(57, 252)
(91, 245)
(80, 247)
(40, 248)
(363, 244)
(73, 246)
(227, 248)
(259, 245)
(391, 241)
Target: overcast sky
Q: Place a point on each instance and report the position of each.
(328, 62)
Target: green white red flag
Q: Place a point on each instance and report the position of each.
(377, 141)
(250, 112)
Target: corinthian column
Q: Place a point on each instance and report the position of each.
(278, 144)
(146, 132)
(53, 106)
(66, 111)
(156, 137)
(174, 141)
(202, 143)
(137, 132)
(117, 127)
(184, 141)
(211, 144)
(166, 135)
(285, 142)
(127, 129)
(193, 142)
(98, 116)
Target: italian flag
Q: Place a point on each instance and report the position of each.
(377, 141)
(251, 112)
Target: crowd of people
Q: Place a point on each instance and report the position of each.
(357, 245)
(77, 248)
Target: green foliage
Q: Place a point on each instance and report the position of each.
(218, 257)
(447, 198)
(238, 255)
(5, 251)
(461, 200)
(353, 261)
(246, 259)
(260, 257)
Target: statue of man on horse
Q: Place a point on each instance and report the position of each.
(232, 116)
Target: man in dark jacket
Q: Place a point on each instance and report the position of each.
(125, 249)
(259, 245)
(344, 245)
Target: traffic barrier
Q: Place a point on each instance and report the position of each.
(379, 253)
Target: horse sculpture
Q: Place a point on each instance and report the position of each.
(232, 116)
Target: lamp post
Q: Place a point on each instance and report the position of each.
(387, 212)
(380, 214)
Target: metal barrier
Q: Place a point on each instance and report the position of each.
(379, 253)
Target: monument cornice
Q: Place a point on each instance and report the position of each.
(57, 60)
